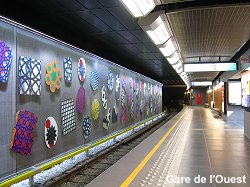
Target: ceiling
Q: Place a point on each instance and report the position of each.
(105, 28)
(210, 34)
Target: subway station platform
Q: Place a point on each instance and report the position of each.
(195, 148)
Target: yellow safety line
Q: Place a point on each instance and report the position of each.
(132, 176)
(43, 167)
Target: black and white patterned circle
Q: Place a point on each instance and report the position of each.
(110, 79)
(104, 98)
(86, 126)
(106, 120)
(117, 87)
(132, 109)
(123, 97)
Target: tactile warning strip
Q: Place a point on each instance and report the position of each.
(169, 160)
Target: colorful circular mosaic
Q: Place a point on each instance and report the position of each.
(94, 80)
(81, 69)
(86, 126)
(51, 132)
(110, 79)
(67, 69)
(53, 76)
(95, 109)
(5, 61)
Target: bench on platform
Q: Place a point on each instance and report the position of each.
(217, 111)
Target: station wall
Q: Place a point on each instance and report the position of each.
(141, 97)
(198, 96)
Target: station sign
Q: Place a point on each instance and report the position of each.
(203, 67)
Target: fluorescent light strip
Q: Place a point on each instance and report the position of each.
(177, 65)
(179, 70)
(168, 48)
(174, 58)
(202, 83)
(158, 32)
(139, 8)
(133, 8)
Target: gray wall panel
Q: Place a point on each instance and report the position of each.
(7, 105)
(49, 104)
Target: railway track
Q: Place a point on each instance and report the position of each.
(83, 173)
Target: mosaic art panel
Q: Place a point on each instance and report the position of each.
(106, 120)
(80, 100)
(50, 132)
(29, 71)
(104, 98)
(53, 76)
(95, 109)
(94, 80)
(5, 61)
(67, 69)
(68, 116)
(22, 137)
(110, 79)
(117, 87)
(86, 126)
(82, 69)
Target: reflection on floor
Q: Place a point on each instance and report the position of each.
(215, 147)
(200, 145)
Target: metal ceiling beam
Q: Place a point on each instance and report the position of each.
(241, 51)
(179, 6)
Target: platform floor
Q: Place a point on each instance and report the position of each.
(200, 144)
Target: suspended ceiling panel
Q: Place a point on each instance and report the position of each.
(211, 31)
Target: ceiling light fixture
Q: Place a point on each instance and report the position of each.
(173, 59)
(155, 28)
(177, 65)
(139, 8)
(159, 31)
(168, 48)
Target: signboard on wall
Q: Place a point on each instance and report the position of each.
(234, 93)
(245, 88)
